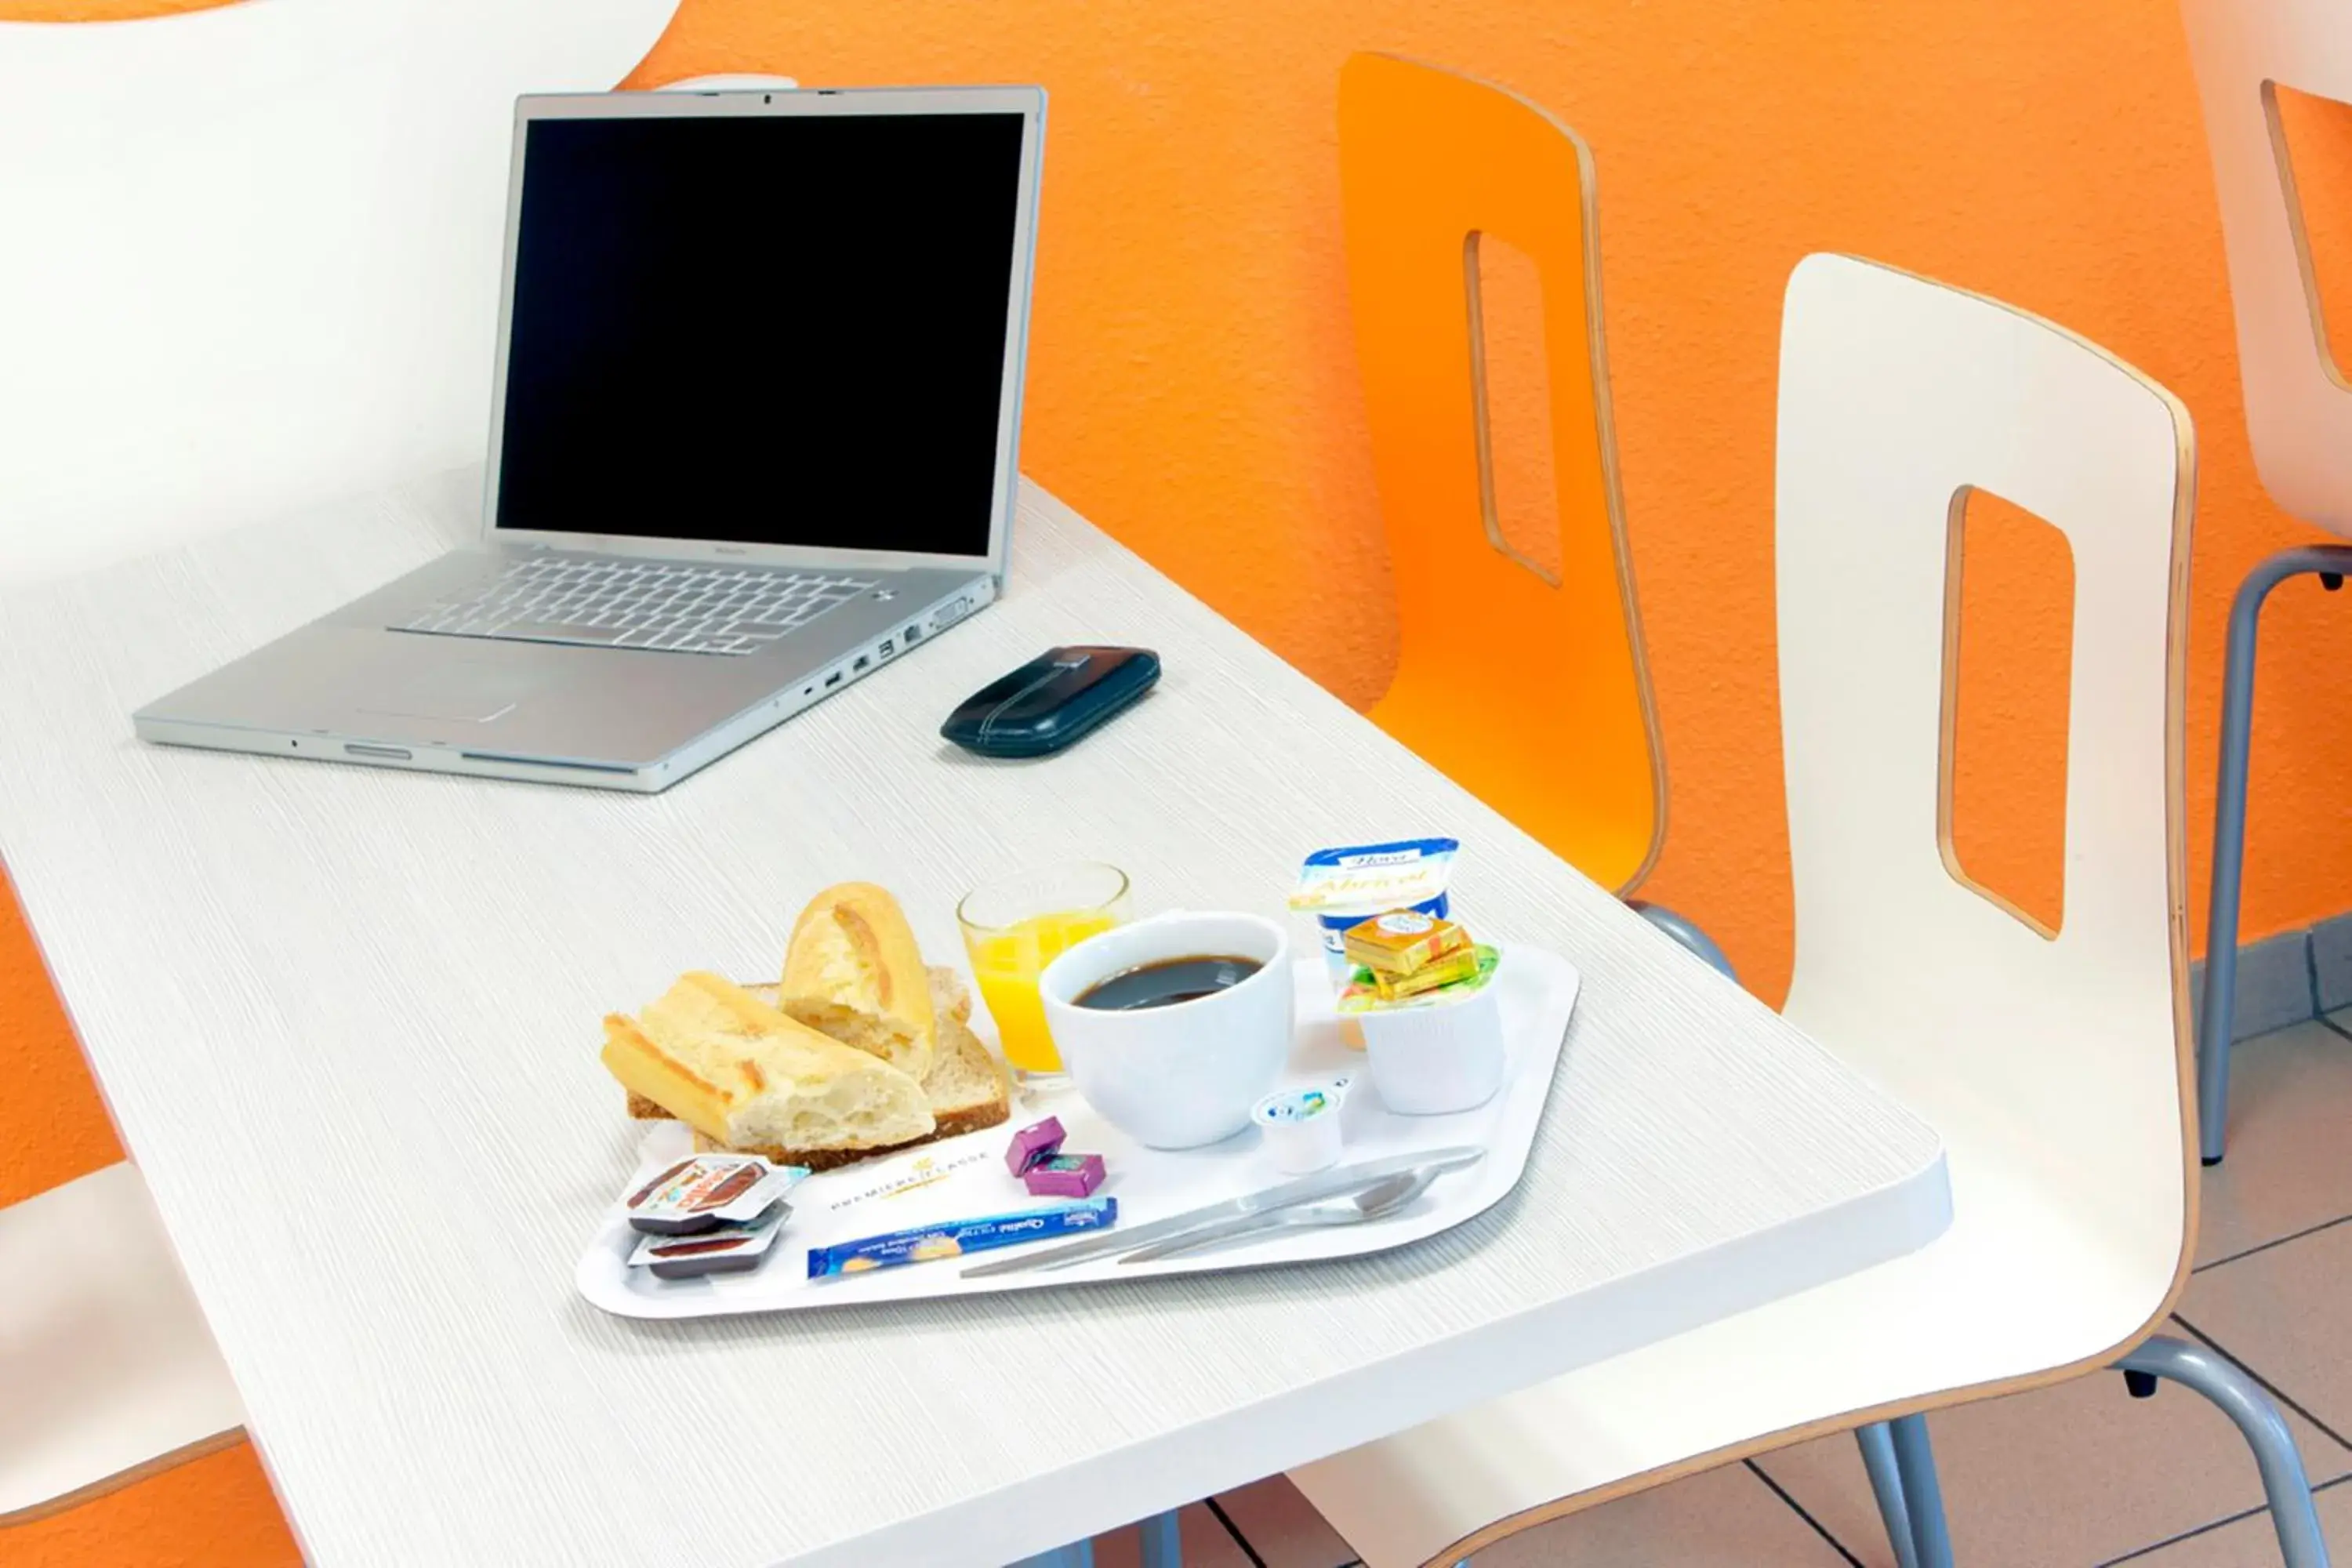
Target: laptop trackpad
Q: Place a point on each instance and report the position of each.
(462, 690)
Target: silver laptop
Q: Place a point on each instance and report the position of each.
(752, 437)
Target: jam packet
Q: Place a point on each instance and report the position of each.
(1065, 1175)
(721, 1250)
(704, 1191)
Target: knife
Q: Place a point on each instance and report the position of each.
(1307, 1189)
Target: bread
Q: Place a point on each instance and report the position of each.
(951, 997)
(744, 1075)
(966, 1088)
(852, 969)
(967, 1092)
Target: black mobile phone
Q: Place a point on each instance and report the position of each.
(1061, 694)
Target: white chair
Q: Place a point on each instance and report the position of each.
(2055, 1066)
(107, 1374)
(253, 262)
(2298, 404)
(253, 252)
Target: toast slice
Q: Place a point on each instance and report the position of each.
(966, 1088)
(852, 969)
(742, 1074)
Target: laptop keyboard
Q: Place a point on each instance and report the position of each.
(610, 602)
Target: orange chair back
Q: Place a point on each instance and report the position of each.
(1525, 686)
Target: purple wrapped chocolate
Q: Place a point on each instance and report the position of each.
(1033, 1145)
(1065, 1175)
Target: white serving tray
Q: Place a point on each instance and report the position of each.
(964, 1177)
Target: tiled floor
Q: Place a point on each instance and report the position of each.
(2078, 1475)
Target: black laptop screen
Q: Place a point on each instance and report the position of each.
(773, 329)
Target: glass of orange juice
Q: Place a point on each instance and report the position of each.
(1015, 927)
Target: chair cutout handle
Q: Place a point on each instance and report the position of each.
(2328, 362)
(1948, 728)
(1489, 513)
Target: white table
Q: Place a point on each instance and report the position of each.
(347, 1020)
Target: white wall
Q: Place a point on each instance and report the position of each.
(252, 254)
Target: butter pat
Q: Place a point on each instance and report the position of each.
(1403, 943)
(1365, 998)
(1458, 966)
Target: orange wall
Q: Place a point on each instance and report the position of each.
(1191, 389)
(1192, 382)
(100, 10)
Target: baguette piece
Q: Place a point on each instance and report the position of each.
(951, 1005)
(852, 970)
(742, 1074)
(966, 1088)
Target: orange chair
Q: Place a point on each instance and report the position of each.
(1525, 685)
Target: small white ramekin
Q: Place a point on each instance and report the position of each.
(1446, 1056)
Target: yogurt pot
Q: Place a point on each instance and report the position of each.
(1343, 886)
(1444, 1054)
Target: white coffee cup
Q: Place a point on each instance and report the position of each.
(1186, 1074)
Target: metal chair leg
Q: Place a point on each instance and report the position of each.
(1877, 1444)
(1687, 934)
(1163, 1543)
(2285, 1483)
(1923, 1493)
(2331, 562)
(1163, 1547)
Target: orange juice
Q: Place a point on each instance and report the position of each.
(1006, 962)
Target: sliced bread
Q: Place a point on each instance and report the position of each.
(966, 1087)
(967, 1091)
(744, 1075)
(852, 969)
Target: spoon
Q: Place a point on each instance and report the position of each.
(1379, 1201)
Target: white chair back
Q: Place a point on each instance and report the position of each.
(111, 1374)
(2064, 1051)
(254, 253)
(2055, 1066)
(2298, 397)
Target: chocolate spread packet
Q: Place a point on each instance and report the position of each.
(706, 1190)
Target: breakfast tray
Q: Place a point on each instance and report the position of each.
(960, 1177)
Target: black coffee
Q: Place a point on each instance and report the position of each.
(1167, 983)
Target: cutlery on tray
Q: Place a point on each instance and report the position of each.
(1362, 1207)
(1327, 1184)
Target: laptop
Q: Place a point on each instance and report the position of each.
(754, 433)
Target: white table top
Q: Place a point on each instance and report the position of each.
(347, 1020)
